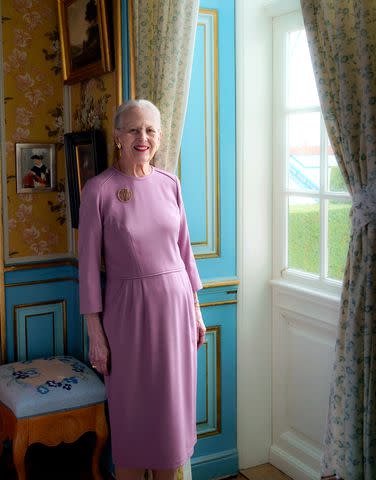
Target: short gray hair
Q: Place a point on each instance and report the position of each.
(138, 103)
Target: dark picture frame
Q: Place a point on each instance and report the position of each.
(85, 38)
(35, 167)
(85, 154)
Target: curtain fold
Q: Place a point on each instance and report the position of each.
(163, 45)
(342, 41)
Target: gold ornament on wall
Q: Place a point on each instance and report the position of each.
(91, 111)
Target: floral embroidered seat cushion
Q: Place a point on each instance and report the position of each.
(46, 385)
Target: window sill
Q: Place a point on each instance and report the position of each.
(320, 294)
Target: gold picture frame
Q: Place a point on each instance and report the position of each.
(85, 38)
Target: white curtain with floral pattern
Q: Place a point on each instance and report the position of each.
(163, 43)
(342, 40)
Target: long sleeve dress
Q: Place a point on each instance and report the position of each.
(148, 312)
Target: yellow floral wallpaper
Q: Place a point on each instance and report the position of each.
(33, 91)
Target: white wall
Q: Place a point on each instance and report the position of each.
(254, 171)
(304, 333)
(285, 340)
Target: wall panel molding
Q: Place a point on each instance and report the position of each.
(304, 335)
(209, 374)
(42, 312)
(291, 465)
(2, 203)
(33, 266)
(38, 327)
(202, 125)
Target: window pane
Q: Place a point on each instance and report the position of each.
(338, 237)
(301, 90)
(335, 178)
(304, 151)
(304, 234)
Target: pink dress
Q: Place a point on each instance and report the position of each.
(148, 312)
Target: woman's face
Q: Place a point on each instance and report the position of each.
(139, 134)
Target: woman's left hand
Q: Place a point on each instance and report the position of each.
(201, 329)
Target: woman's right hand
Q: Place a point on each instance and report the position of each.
(99, 352)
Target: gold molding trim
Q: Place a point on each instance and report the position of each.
(36, 282)
(225, 283)
(214, 14)
(132, 71)
(216, 329)
(3, 356)
(83, 337)
(206, 241)
(65, 337)
(205, 345)
(215, 304)
(34, 266)
(207, 255)
(118, 50)
(38, 304)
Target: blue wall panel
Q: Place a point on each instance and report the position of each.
(216, 454)
(193, 166)
(40, 329)
(208, 168)
(208, 175)
(208, 384)
(42, 312)
(40, 337)
(202, 371)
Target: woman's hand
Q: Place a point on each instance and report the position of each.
(99, 352)
(201, 329)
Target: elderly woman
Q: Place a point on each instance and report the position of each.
(144, 335)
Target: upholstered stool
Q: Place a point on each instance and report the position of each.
(50, 400)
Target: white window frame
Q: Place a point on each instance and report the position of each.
(281, 25)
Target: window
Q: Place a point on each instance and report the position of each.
(311, 200)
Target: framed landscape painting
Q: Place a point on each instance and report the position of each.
(86, 38)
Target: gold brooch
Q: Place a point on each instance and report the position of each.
(124, 194)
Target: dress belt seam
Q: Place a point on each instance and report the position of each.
(114, 277)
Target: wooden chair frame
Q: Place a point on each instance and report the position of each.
(52, 429)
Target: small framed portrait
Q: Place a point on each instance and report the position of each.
(35, 167)
(86, 38)
(85, 154)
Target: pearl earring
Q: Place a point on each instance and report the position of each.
(118, 144)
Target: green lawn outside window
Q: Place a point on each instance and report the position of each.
(304, 237)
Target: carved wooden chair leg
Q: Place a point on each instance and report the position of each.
(101, 438)
(7, 426)
(20, 444)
